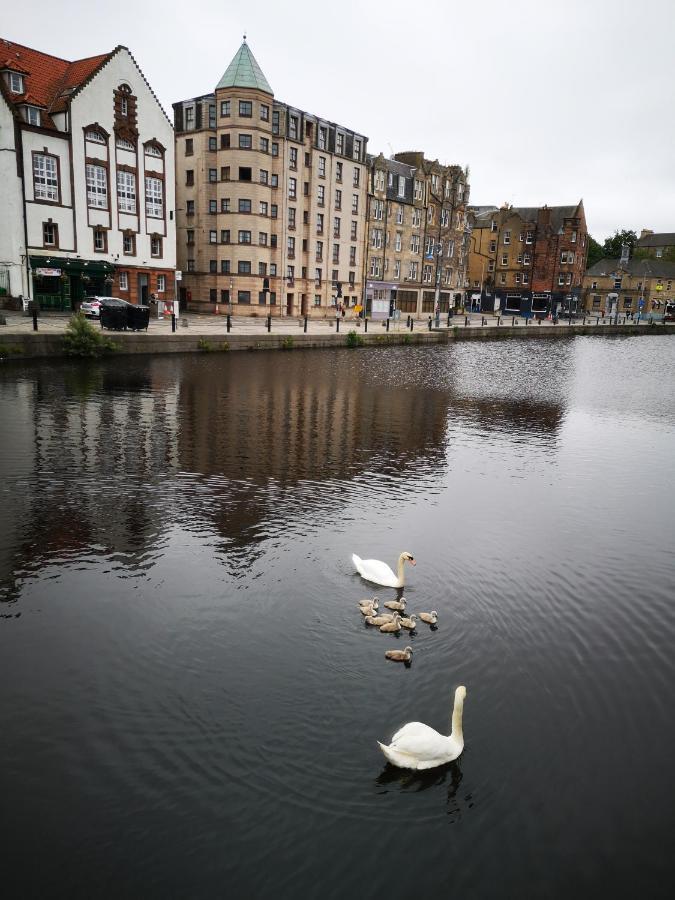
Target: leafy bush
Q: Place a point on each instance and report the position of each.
(203, 344)
(287, 343)
(82, 339)
(407, 339)
(354, 339)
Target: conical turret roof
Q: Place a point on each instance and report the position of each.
(244, 72)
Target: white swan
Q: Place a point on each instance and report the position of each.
(379, 573)
(416, 746)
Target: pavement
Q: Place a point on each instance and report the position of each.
(55, 323)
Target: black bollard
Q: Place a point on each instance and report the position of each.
(429, 323)
(269, 323)
(527, 320)
(35, 328)
(365, 325)
(229, 323)
(499, 320)
(173, 322)
(448, 318)
(466, 321)
(482, 320)
(387, 324)
(305, 325)
(412, 324)
(337, 324)
(539, 320)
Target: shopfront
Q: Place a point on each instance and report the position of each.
(61, 284)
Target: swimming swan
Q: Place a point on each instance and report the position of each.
(379, 573)
(409, 623)
(382, 619)
(400, 655)
(393, 626)
(430, 618)
(416, 746)
(370, 609)
(398, 605)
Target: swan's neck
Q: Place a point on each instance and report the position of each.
(401, 564)
(457, 719)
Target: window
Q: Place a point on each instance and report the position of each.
(426, 274)
(245, 109)
(100, 241)
(275, 148)
(244, 267)
(16, 83)
(338, 172)
(336, 254)
(319, 223)
(213, 207)
(213, 295)
(243, 297)
(129, 244)
(529, 236)
(290, 247)
(213, 236)
(275, 122)
(213, 175)
(397, 269)
(293, 127)
(274, 210)
(336, 226)
(154, 198)
(97, 186)
(244, 206)
(190, 265)
(273, 270)
(189, 115)
(322, 138)
(506, 237)
(357, 148)
(213, 266)
(414, 243)
(322, 167)
(244, 237)
(352, 256)
(274, 180)
(262, 268)
(338, 199)
(505, 259)
(189, 177)
(293, 157)
(377, 209)
(45, 177)
(292, 188)
(245, 142)
(319, 251)
(317, 299)
(321, 194)
(518, 277)
(493, 246)
(264, 112)
(291, 217)
(353, 231)
(126, 191)
(526, 277)
(124, 144)
(355, 204)
(50, 234)
(96, 137)
(32, 115)
(573, 237)
(224, 267)
(561, 278)
(418, 189)
(224, 142)
(224, 235)
(659, 252)
(339, 143)
(189, 147)
(189, 206)
(124, 281)
(416, 218)
(224, 108)
(245, 173)
(212, 117)
(290, 273)
(264, 208)
(161, 283)
(317, 275)
(225, 204)
(155, 246)
(264, 145)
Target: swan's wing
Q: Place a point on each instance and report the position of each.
(377, 571)
(420, 741)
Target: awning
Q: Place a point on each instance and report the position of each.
(71, 266)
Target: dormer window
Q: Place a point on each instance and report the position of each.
(94, 136)
(32, 114)
(124, 144)
(15, 83)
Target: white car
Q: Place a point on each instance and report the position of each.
(91, 307)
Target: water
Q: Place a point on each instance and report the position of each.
(191, 702)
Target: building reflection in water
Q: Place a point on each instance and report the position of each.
(103, 459)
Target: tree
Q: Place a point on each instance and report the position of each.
(612, 245)
(595, 252)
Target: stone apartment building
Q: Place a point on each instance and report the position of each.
(87, 167)
(417, 235)
(656, 246)
(636, 285)
(528, 260)
(271, 201)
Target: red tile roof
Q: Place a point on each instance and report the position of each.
(49, 80)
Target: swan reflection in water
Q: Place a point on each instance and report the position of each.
(416, 781)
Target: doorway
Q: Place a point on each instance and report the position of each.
(143, 289)
(289, 304)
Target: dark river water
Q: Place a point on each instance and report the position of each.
(190, 701)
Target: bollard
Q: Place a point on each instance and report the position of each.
(269, 323)
(305, 325)
(429, 323)
(597, 320)
(387, 324)
(466, 321)
(407, 322)
(499, 320)
(337, 324)
(482, 320)
(411, 323)
(365, 325)
(583, 322)
(539, 320)
(229, 323)
(35, 328)
(173, 322)
(448, 318)
(513, 321)
(527, 321)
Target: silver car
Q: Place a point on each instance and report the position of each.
(91, 307)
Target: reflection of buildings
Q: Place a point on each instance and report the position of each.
(104, 461)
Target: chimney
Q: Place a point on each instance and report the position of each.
(544, 216)
(645, 232)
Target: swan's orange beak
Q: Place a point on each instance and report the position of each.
(412, 562)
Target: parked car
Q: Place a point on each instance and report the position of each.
(669, 313)
(91, 307)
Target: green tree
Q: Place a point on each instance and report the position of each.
(612, 245)
(595, 252)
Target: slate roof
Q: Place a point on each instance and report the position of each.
(245, 72)
(665, 239)
(49, 80)
(485, 214)
(648, 268)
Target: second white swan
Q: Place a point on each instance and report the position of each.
(380, 573)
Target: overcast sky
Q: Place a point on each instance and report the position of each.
(546, 101)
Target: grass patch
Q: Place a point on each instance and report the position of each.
(204, 345)
(83, 340)
(407, 339)
(10, 350)
(287, 343)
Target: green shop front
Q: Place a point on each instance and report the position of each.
(62, 284)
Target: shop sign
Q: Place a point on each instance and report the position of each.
(49, 273)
